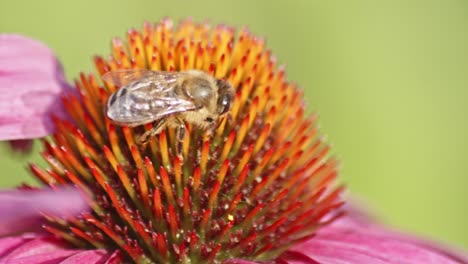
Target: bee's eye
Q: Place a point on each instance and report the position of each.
(225, 103)
(226, 95)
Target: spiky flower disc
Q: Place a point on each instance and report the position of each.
(260, 183)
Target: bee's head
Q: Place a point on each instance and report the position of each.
(226, 95)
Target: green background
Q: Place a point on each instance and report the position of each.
(388, 78)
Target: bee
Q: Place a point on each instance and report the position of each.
(171, 98)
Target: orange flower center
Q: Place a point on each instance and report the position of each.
(260, 183)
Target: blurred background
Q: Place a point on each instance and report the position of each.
(388, 78)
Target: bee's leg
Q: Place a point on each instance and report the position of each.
(144, 139)
(211, 129)
(180, 135)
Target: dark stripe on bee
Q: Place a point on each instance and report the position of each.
(119, 94)
(112, 99)
(123, 92)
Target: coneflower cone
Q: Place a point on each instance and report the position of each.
(262, 182)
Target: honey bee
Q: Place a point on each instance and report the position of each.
(171, 98)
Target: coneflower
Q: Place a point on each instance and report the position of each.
(259, 184)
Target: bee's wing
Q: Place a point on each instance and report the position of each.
(147, 99)
(123, 77)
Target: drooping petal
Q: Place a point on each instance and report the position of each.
(39, 249)
(358, 238)
(33, 245)
(31, 81)
(349, 241)
(91, 256)
(21, 210)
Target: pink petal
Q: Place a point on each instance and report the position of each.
(88, 256)
(45, 258)
(35, 246)
(115, 258)
(21, 210)
(349, 241)
(38, 249)
(8, 244)
(31, 81)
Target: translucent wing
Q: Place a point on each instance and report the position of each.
(146, 98)
(124, 77)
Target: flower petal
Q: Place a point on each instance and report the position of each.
(88, 256)
(39, 249)
(44, 258)
(21, 210)
(349, 241)
(8, 244)
(34, 246)
(31, 80)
